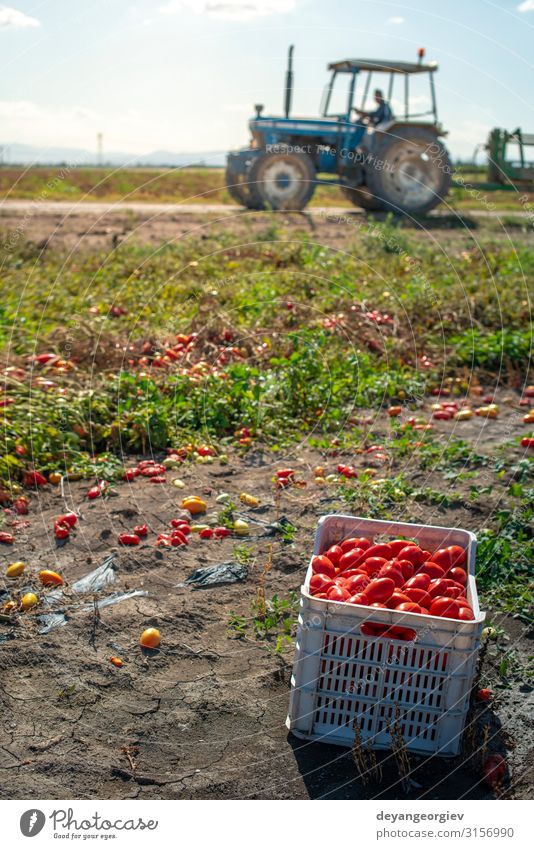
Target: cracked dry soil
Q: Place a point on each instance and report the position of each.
(204, 716)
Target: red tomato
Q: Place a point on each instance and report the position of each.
(378, 604)
(355, 542)
(458, 574)
(321, 565)
(494, 770)
(409, 607)
(453, 592)
(465, 613)
(370, 629)
(359, 598)
(69, 518)
(129, 475)
(141, 530)
(320, 595)
(398, 544)
(380, 550)
(178, 538)
(128, 539)
(61, 530)
(351, 559)
(320, 583)
(373, 564)
(418, 582)
(483, 695)
(356, 584)
(338, 594)
(334, 553)
(405, 567)
(182, 525)
(438, 587)
(285, 473)
(419, 596)
(397, 598)
(446, 607)
(401, 633)
(432, 569)
(448, 557)
(205, 533)
(350, 573)
(163, 539)
(380, 590)
(94, 492)
(20, 506)
(388, 571)
(220, 533)
(7, 538)
(33, 478)
(412, 553)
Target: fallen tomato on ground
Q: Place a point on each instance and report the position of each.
(128, 539)
(48, 578)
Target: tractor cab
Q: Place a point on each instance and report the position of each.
(399, 164)
(350, 86)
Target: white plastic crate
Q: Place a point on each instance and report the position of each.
(341, 676)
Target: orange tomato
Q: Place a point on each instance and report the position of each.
(194, 504)
(150, 638)
(50, 579)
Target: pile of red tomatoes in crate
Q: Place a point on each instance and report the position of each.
(397, 575)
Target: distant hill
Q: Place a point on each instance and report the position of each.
(23, 154)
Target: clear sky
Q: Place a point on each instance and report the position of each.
(182, 75)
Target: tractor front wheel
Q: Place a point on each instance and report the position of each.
(281, 181)
(410, 171)
(238, 188)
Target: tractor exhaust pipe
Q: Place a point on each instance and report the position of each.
(289, 83)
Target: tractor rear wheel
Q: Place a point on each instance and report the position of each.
(281, 181)
(414, 174)
(361, 196)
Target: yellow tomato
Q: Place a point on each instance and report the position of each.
(249, 500)
(15, 569)
(28, 601)
(240, 528)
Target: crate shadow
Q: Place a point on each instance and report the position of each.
(327, 771)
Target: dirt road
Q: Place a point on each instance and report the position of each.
(105, 225)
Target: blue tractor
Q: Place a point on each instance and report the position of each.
(397, 164)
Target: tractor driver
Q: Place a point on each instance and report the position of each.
(381, 114)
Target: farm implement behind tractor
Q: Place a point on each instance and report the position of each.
(504, 170)
(399, 165)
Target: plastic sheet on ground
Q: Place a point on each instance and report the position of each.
(228, 572)
(93, 582)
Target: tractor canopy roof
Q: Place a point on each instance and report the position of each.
(351, 65)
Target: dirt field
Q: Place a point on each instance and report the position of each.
(204, 717)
